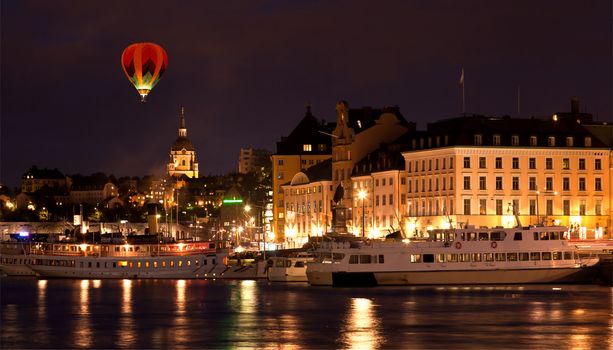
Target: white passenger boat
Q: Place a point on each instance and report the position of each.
(456, 256)
(14, 259)
(289, 268)
(169, 260)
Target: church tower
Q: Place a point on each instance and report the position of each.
(182, 159)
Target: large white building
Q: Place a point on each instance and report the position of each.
(474, 170)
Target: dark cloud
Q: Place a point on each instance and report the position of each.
(245, 69)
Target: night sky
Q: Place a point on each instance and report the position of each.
(244, 70)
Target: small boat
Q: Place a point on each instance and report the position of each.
(456, 256)
(289, 268)
(14, 259)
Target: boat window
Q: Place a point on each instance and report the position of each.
(122, 263)
(155, 264)
(556, 255)
(172, 264)
(546, 255)
(381, 259)
(517, 236)
(89, 264)
(365, 259)
(415, 258)
(204, 261)
(337, 256)
(353, 259)
(499, 256)
(114, 265)
(213, 262)
(523, 256)
(488, 256)
(197, 262)
(288, 263)
(465, 257)
(452, 257)
(476, 257)
(563, 235)
(568, 255)
(440, 258)
(536, 236)
(472, 236)
(461, 236)
(534, 256)
(544, 236)
(211, 245)
(146, 263)
(299, 264)
(498, 236)
(484, 236)
(554, 236)
(163, 263)
(97, 264)
(428, 258)
(138, 264)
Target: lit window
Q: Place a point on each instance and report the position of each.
(306, 147)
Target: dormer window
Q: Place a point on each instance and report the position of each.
(551, 141)
(533, 141)
(478, 140)
(496, 140)
(569, 141)
(515, 140)
(307, 147)
(587, 141)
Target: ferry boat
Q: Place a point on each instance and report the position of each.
(289, 268)
(456, 256)
(102, 261)
(14, 259)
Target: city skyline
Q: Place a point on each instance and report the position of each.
(244, 73)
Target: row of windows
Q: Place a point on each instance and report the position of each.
(532, 163)
(305, 207)
(117, 264)
(435, 207)
(533, 140)
(490, 257)
(532, 185)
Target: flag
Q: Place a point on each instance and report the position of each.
(462, 77)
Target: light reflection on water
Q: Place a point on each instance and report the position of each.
(127, 335)
(83, 332)
(247, 314)
(361, 327)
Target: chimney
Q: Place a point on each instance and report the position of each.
(574, 105)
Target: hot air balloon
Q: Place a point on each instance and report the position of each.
(144, 64)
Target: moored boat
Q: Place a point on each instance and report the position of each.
(456, 256)
(289, 268)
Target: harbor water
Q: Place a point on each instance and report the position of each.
(249, 314)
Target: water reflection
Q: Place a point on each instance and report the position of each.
(41, 301)
(126, 337)
(362, 328)
(181, 324)
(244, 302)
(83, 331)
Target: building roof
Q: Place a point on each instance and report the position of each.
(181, 143)
(360, 119)
(308, 131)
(386, 157)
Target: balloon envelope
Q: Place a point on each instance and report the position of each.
(144, 64)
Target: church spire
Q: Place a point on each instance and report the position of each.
(182, 128)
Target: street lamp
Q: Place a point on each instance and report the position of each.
(362, 196)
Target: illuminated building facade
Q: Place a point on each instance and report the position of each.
(379, 193)
(182, 160)
(307, 145)
(473, 170)
(357, 133)
(308, 199)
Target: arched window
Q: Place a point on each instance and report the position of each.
(183, 162)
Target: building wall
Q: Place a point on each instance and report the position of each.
(284, 167)
(183, 163)
(307, 211)
(384, 205)
(467, 202)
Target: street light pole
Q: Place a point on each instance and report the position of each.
(362, 196)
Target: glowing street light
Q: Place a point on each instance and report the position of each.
(362, 196)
